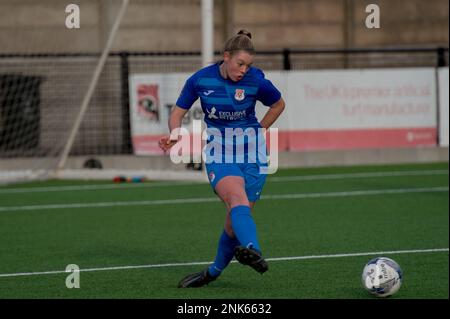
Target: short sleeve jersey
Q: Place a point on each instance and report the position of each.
(228, 104)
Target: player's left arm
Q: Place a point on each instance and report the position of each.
(273, 113)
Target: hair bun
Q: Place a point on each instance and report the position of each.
(245, 32)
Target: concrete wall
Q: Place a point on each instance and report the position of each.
(157, 25)
(39, 26)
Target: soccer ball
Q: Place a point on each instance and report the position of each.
(382, 277)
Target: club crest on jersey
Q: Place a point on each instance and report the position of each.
(239, 94)
(212, 176)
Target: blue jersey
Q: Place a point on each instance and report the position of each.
(227, 103)
(230, 105)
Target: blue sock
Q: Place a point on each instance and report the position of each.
(244, 227)
(225, 252)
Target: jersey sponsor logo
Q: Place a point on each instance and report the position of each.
(208, 92)
(226, 115)
(232, 116)
(212, 113)
(239, 94)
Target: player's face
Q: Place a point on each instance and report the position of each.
(237, 64)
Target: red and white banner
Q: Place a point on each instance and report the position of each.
(151, 97)
(349, 109)
(343, 109)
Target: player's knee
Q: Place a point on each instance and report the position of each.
(237, 199)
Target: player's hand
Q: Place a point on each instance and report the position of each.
(165, 143)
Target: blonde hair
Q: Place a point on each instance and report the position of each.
(242, 41)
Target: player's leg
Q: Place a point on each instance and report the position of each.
(239, 221)
(227, 241)
(226, 246)
(233, 194)
(222, 178)
(228, 225)
(231, 189)
(244, 255)
(254, 182)
(240, 229)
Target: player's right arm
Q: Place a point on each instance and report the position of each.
(175, 119)
(187, 97)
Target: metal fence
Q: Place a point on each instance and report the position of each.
(106, 126)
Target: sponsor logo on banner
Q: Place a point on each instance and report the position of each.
(148, 102)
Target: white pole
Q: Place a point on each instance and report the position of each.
(207, 32)
(92, 86)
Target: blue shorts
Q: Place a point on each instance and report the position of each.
(250, 172)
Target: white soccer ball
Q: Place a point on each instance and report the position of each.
(382, 277)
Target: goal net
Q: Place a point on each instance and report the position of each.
(57, 84)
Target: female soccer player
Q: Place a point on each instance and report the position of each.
(228, 91)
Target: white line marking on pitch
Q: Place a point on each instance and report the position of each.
(357, 175)
(377, 253)
(215, 199)
(270, 179)
(93, 187)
